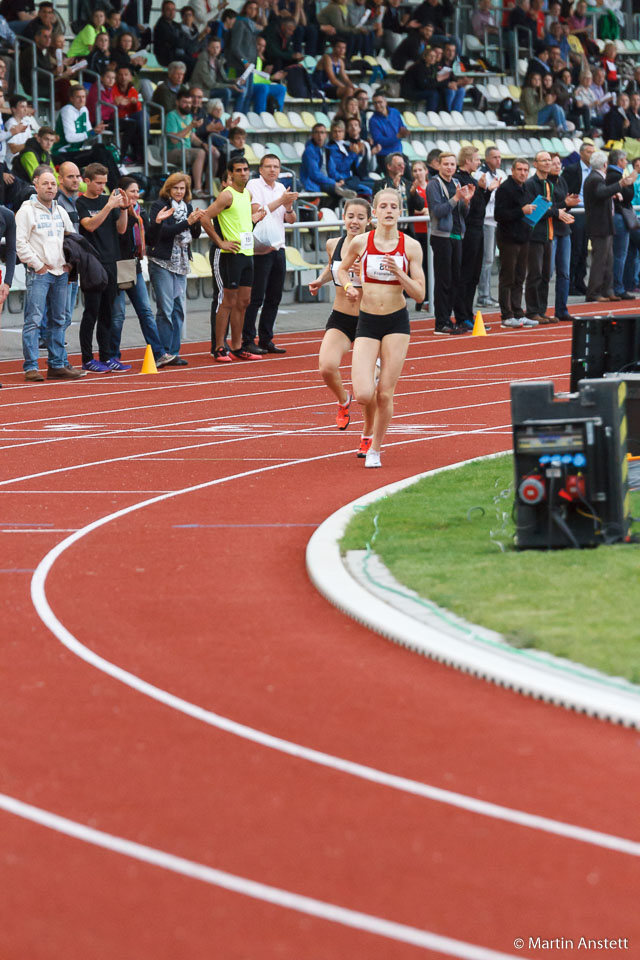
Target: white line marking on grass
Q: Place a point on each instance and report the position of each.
(252, 888)
(470, 804)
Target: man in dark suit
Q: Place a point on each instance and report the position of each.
(575, 175)
(598, 203)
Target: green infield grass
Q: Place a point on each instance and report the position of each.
(449, 537)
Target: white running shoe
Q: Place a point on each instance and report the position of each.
(372, 459)
(513, 323)
(528, 322)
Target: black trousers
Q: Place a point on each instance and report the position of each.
(578, 268)
(447, 254)
(472, 254)
(601, 273)
(98, 308)
(513, 270)
(538, 277)
(269, 271)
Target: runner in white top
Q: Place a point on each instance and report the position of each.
(341, 325)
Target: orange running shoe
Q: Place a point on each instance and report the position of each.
(363, 449)
(343, 417)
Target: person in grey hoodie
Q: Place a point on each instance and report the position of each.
(448, 204)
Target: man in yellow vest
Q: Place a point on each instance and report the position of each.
(232, 210)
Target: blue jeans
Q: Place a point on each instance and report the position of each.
(630, 276)
(48, 290)
(244, 99)
(453, 99)
(140, 302)
(561, 260)
(72, 296)
(222, 93)
(263, 90)
(431, 98)
(620, 249)
(552, 113)
(171, 292)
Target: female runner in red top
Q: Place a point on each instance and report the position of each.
(390, 266)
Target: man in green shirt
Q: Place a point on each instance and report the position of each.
(179, 126)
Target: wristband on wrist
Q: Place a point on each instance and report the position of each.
(346, 286)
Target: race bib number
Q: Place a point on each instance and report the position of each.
(378, 270)
(246, 241)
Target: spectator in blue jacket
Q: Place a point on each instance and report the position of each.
(386, 127)
(314, 172)
(342, 161)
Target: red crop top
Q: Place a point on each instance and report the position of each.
(373, 269)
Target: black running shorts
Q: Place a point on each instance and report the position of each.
(236, 270)
(377, 326)
(343, 322)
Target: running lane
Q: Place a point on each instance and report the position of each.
(205, 595)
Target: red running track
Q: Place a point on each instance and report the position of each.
(204, 595)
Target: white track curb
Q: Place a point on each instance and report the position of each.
(467, 648)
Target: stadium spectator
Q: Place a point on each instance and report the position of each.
(179, 127)
(420, 81)
(540, 242)
(222, 28)
(241, 50)
(331, 73)
(269, 268)
(265, 81)
(512, 234)
(363, 106)
(130, 116)
(623, 217)
(100, 58)
(396, 24)
(280, 53)
(22, 124)
(365, 18)
(473, 241)
(314, 175)
(83, 42)
(165, 93)
(633, 113)
(40, 228)
(44, 62)
(420, 230)
(348, 109)
(616, 123)
(335, 16)
(599, 220)
(483, 22)
(398, 178)
(361, 148)
(453, 84)
(68, 185)
(386, 128)
(102, 219)
(76, 137)
(210, 74)
(35, 153)
(18, 13)
(585, 95)
(412, 47)
(575, 175)
(448, 203)
(603, 97)
(494, 176)
(561, 247)
(133, 247)
(124, 54)
(46, 17)
(630, 277)
(435, 12)
(609, 65)
(521, 24)
(114, 26)
(102, 93)
(173, 224)
(170, 42)
(345, 164)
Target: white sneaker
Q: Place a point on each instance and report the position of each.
(164, 359)
(512, 323)
(528, 322)
(372, 459)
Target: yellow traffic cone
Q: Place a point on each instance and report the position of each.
(149, 363)
(478, 326)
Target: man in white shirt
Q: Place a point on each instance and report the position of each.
(40, 228)
(270, 266)
(492, 172)
(22, 125)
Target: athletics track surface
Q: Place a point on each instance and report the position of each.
(205, 595)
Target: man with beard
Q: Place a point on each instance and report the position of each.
(180, 126)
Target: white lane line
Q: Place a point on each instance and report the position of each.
(448, 797)
(214, 443)
(243, 379)
(252, 888)
(42, 530)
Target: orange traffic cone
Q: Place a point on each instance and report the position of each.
(149, 363)
(478, 326)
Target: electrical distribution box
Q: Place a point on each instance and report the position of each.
(570, 459)
(601, 345)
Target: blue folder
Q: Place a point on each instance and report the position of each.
(540, 207)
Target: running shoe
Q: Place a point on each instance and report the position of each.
(117, 366)
(372, 459)
(96, 366)
(363, 449)
(220, 355)
(512, 323)
(449, 329)
(243, 354)
(530, 322)
(343, 417)
(466, 325)
(165, 359)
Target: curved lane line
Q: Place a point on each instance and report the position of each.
(251, 888)
(371, 774)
